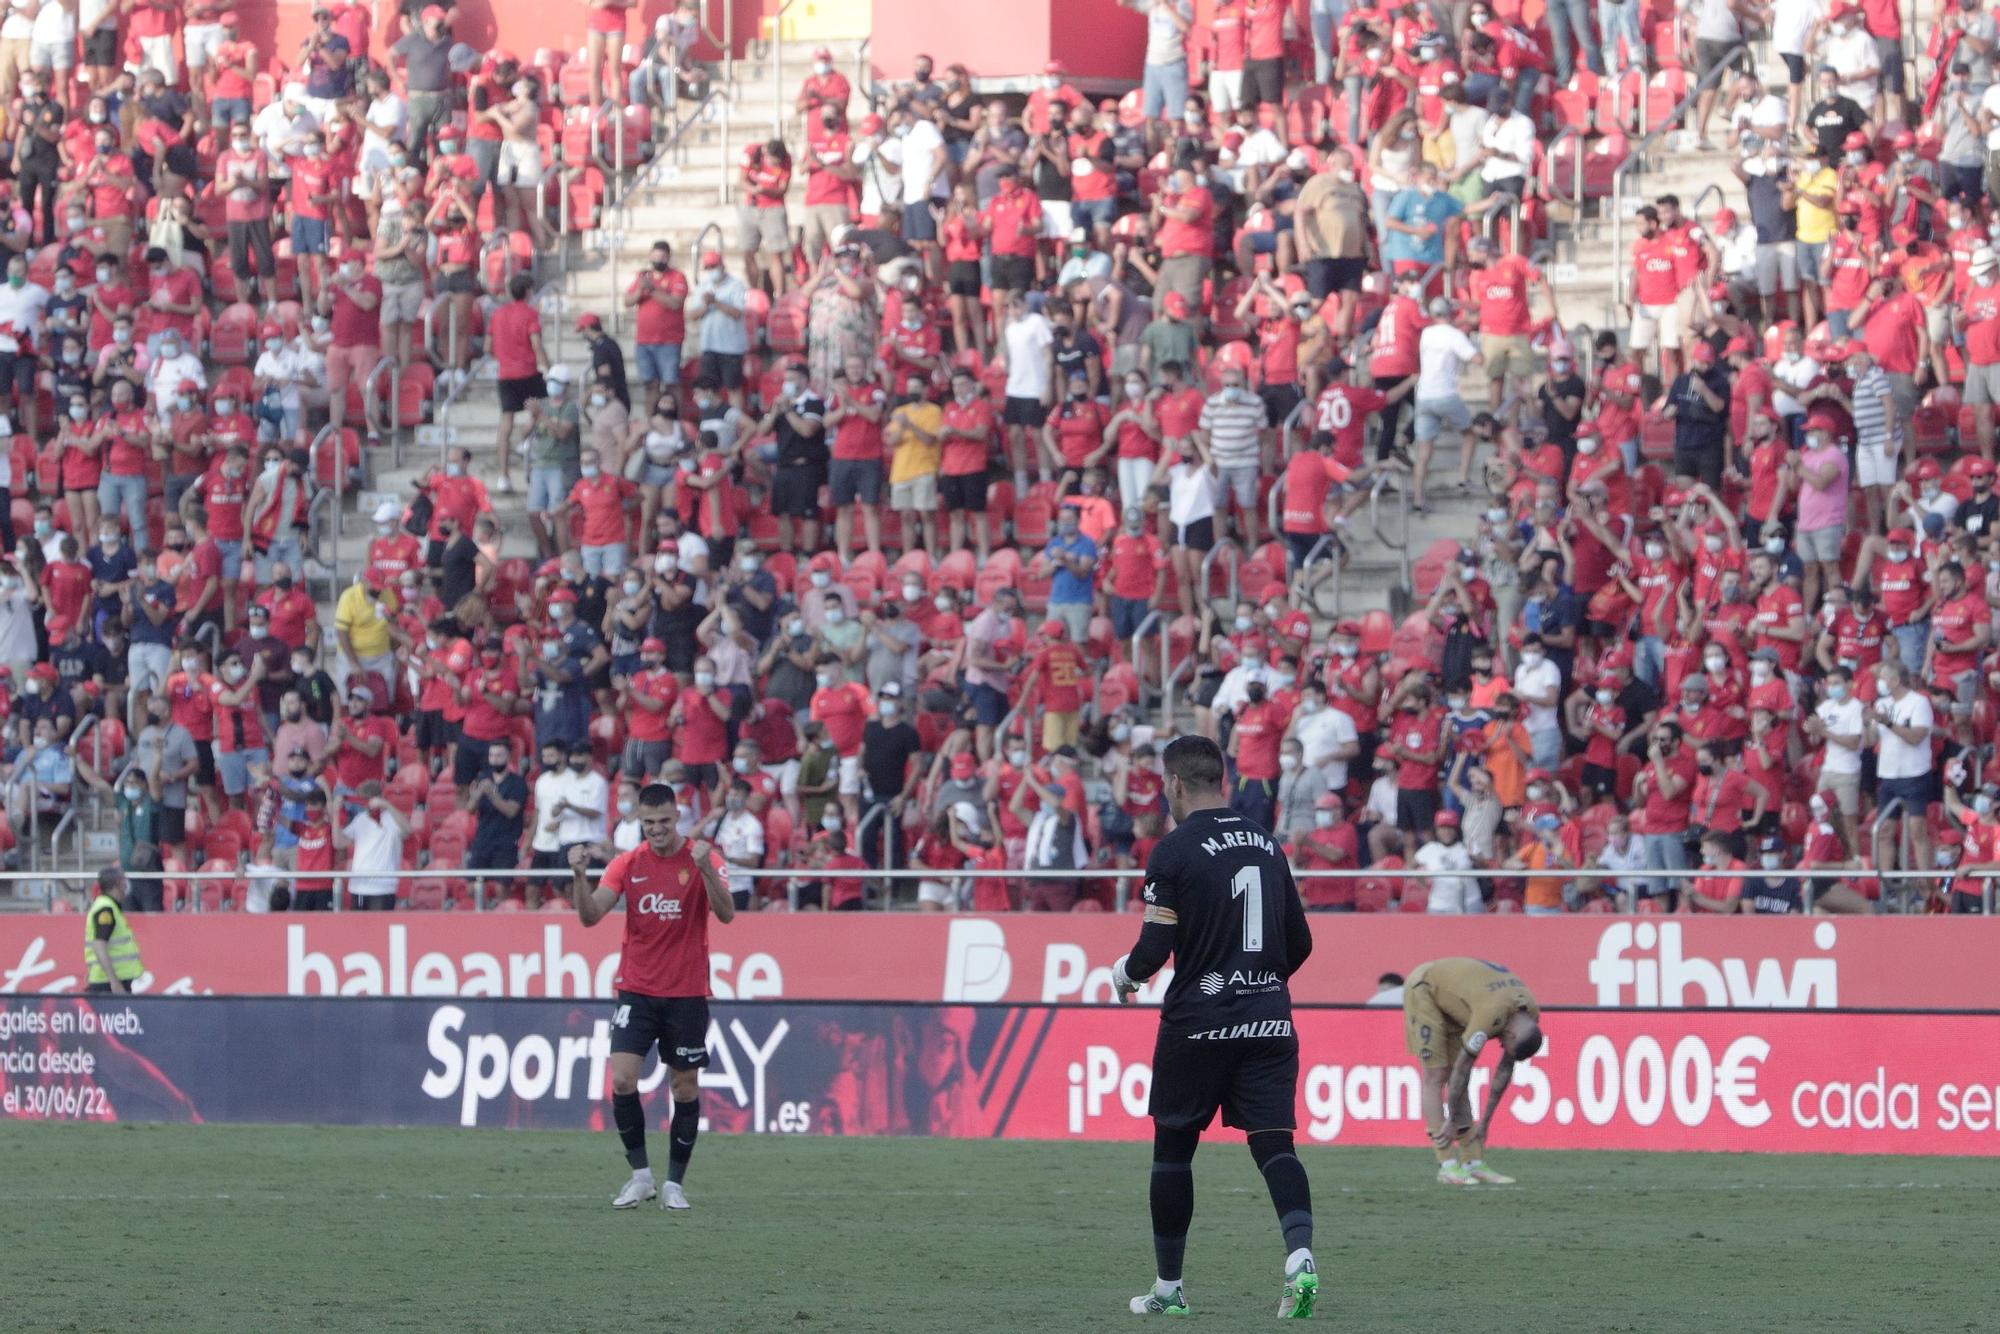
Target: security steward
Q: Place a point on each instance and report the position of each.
(110, 952)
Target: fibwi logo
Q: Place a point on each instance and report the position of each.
(1655, 972)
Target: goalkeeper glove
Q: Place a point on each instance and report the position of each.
(1122, 982)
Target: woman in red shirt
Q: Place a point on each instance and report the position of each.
(79, 446)
(961, 269)
(1074, 436)
(606, 26)
(454, 221)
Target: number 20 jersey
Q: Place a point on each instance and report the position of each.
(1241, 929)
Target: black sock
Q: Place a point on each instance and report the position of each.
(1172, 1198)
(630, 1118)
(1285, 1178)
(680, 1137)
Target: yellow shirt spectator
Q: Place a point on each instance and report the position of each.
(1816, 224)
(914, 429)
(358, 618)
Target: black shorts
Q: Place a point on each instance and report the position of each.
(795, 492)
(1279, 400)
(1324, 277)
(961, 277)
(171, 825)
(1013, 273)
(964, 491)
(204, 764)
(517, 393)
(725, 368)
(855, 480)
(1024, 412)
(461, 283)
(1253, 1080)
(678, 1023)
(435, 731)
(100, 48)
(1197, 536)
(1416, 809)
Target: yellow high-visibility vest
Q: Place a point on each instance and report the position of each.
(124, 948)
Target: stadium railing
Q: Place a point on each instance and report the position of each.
(54, 881)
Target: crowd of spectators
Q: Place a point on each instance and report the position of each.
(898, 521)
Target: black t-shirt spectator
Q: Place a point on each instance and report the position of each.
(885, 246)
(1561, 429)
(492, 832)
(607, 368)
(320, 696)
(795, 447)
(757, 624)
(1697, 426)
(111, 568)
(1075, 352)
(1977, 516)
(885, 756)
(459, 571)
(1831, 120)
(1775, 223)
(77, 660)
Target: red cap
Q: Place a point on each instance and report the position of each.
(1446, 820)
(1902, 139)
(270, 329)
(229, 18)
(1927, 470)
(1176, 305)
(1951, 835)
(1819, 419)
(1855, 139)
(711, 259)
(823, 53)
(1327, 801)
(1054, 67)
(962, 764)
(1979, 468)
(1054, 629)
(1540, 776)
(563, 595)
(432, 12)
(871, 124)
(1725, 218)
(653, 645)
(1673, 498)
(588, 320)
(1702, 350)
(1903, 535)
(464, 168)
(190, 387)
(1349, 628)
(1618, 660)
(1739, 344)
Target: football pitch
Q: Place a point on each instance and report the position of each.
(230, 1228)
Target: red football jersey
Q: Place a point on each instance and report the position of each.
(666, 922)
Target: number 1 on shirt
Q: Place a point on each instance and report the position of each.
(1248, 885)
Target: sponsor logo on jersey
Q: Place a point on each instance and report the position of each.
(1214, 984)
(660, 905)
(1261, 1028)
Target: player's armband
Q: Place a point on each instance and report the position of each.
(1157, 913)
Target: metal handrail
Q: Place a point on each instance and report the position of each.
(369, 400)
(1892, 809)
(1549, 159)
(1153, 618)
(777, 22)
(1403, 516)
(316, 525)
(864, 75)
(1214, 554)
(1635, 160)
(861, 833)
(326, 432)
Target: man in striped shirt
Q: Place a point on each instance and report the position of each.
(1231, 430)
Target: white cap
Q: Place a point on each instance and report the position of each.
(294, 92)
(1297, 160)
(1441, 307)
(1984, 258)
(560, 372)
(388, 512)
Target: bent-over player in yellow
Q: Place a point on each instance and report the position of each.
(1451, 1009)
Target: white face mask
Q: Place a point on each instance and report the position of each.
(1605, 697)
(191, 665)
(1716, 662)
(1018, 758)
(820, 579)
(260, 631)
(1288, 763)
(626, 806)
(943, 604)
(825, 680)
(704, 680)
(830, 823)
(1323, 819)
(1837, 694)
(911, 592)
(889, 708)
(1586, 445)
(740, 765)
(1899, 553)
(1135, 389)
(1655, 550)
(835, 615)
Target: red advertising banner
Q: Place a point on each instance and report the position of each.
(1728, 1081)
(1611, 962)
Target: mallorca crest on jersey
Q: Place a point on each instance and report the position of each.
(683, 877)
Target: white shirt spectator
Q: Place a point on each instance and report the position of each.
(1989, 103)
(1191, 493)
(17, 624)
(1234, 691)
(547, 791)
(20, 23)
(1739, 251)
(1509, 144)
(278, 133)
(1322, 733)
(376, 856)
(740, 836)
(1852, 56)
(259, 879)
(1381, 801)
(20, 313)
(1628, 860)
(1442, 350)
(164, 377)
(582, 791)
(1792, 373)
(1791, 20)
(1842, 719)
(1449, 893)
(54, 25)
(1764, 115)
(1262, 149)
(1028, 341)
(1895, 757)
(1166, 41)
(625, 836)
(1543, 678)
(1715, 21)
(919, 148)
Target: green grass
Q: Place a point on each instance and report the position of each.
(214, 1228)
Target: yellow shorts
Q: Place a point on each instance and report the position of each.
(1434, 1040)
(1059, 729)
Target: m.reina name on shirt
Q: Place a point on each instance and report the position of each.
(1244, 838)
